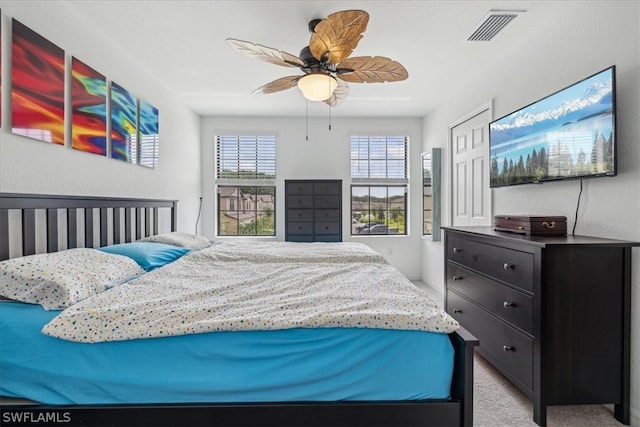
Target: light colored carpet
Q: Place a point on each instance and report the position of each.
(497, 403)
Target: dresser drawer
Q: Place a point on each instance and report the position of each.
(324, 188)
(300, 228)
(327, 215)
(313, 210)
(511, 349)
(513, 306)
(300, 214)
(299, 201)
(327, 228)
(326, 201)
(505, 264)
(299, 188)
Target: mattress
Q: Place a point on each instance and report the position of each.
(292, 365)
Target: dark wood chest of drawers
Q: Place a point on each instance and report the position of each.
(551, 313)
(313, 210)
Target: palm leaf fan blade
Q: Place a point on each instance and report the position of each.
(335, 38)
(264, 53)
(279, 85)
(371, 69)
(339, 94)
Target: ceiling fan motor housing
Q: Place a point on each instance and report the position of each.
(312, 25)
(313, 65)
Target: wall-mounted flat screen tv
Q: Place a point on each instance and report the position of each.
(567, 135)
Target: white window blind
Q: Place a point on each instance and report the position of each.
(246, 158)
(379, 159)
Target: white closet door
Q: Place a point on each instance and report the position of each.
(470, 192)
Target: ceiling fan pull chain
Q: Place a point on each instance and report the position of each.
(329, 117)
(306, 117)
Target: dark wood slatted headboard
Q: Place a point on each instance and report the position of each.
(115, 216)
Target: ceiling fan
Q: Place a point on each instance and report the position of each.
(325, 63)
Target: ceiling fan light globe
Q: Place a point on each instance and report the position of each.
(317, 86)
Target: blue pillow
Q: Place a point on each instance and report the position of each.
(148, 255)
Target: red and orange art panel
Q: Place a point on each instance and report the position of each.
(37, 94)
(89, 109)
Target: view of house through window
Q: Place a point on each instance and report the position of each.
(246, 211)
(245, 181)
(378, 185)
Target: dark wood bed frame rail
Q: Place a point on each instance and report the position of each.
(456, 411)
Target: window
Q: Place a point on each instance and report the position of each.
(431, 193)
(427, 195)
(245, 178)
(378, 185)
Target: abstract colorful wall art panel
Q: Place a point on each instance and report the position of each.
(88, 109)
(149, 135)
(37, 91)
(0, 67)
(123, 124)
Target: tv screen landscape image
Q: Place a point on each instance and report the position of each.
(567, 135)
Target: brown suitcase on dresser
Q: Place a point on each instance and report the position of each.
(532, 225)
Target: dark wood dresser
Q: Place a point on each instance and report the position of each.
(313, 210)
(551, 313)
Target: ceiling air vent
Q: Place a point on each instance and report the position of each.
(492, 24)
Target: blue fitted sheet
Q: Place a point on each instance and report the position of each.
(330, 364)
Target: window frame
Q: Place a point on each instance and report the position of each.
(387, 219)
(246, 183)
(372, 158)
(246, 204)
(431, 171)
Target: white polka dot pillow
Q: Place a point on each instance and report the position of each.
(184, 240)
(60, 279)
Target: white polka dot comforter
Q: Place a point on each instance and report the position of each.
(272, 286)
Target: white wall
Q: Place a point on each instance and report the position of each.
(610, 207)
(31, 166)
(324, 156)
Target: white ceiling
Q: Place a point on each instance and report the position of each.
(182, 44)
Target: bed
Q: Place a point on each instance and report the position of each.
(364, 376)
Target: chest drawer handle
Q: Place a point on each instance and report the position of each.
(508, 304)
(508, 348)
(456, 278)
(456, 250)
(457, 310)
(508, 266)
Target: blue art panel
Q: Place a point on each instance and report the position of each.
(124, 133)
(88, 109)
(149, 134)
